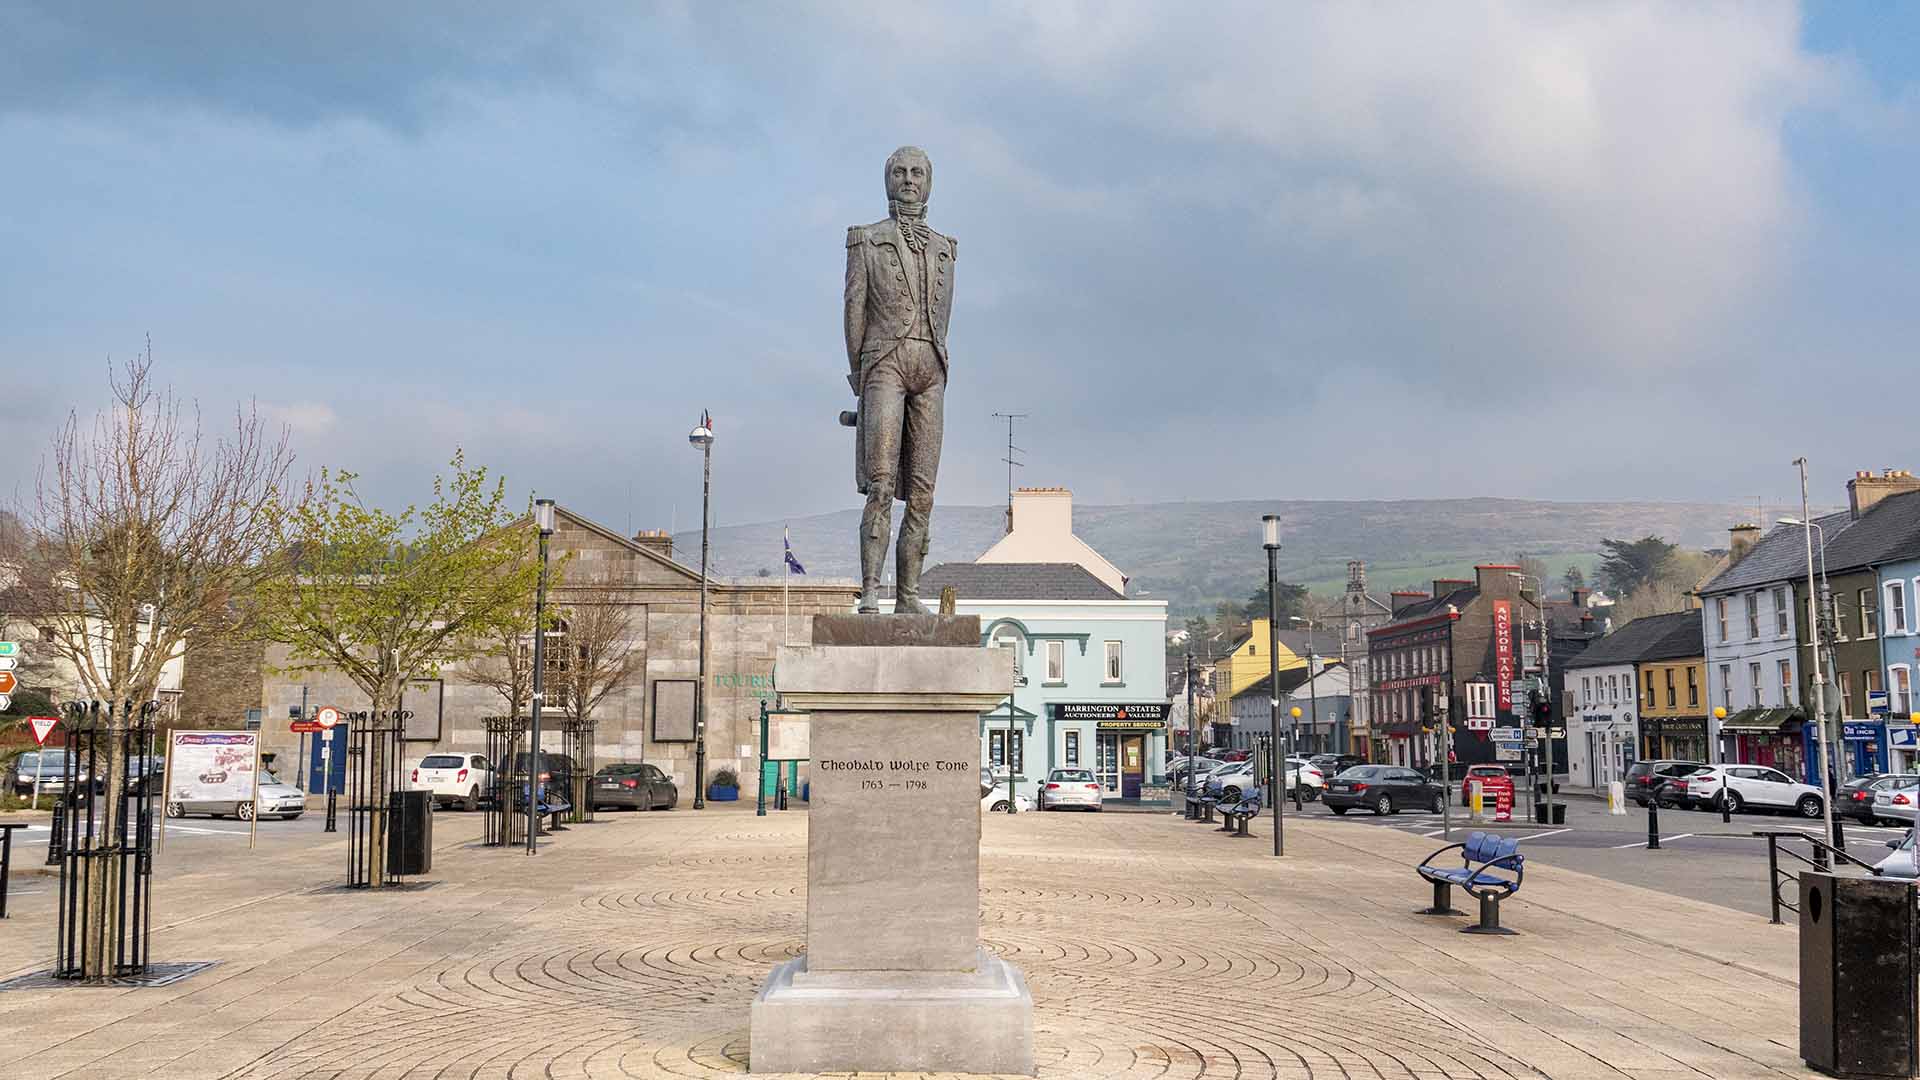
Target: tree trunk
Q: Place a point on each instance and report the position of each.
(378, 787)
(104, 896)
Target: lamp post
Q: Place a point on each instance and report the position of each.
(1720, 763)
(702, 437)
(1270, 539)
(1835, 838)
(1313, 692)
(1191, 723)
(542, 520)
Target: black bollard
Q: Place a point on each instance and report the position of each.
(1653, 823)
(57, 843)
(331, 827)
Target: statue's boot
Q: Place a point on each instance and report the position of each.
(875, 525)
(909, 553)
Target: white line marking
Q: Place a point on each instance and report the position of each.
(1538, 835)
(1643, 843)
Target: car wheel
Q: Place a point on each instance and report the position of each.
(1439, 805)
(1734, 802)
(999, 807)
(175, 810)
(1808, 806)
(244, 811)
(472, 801)
(1383, 805)
(1338, 811)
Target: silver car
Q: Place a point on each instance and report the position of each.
(1901, 863)
(274, 800)
(1896, 803)
(1070, 787)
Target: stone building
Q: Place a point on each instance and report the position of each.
(644, 720)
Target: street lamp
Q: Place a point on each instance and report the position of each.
(543, 521)
(1726, 812)
(702, 437)
(1815, 596)
(1313, 693)
(1270, 539)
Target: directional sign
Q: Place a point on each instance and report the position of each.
(305, 727)
(8, 684)
(9, 648)
(1507, 734)
(8, 663)
(326, 716)
(6, 702)
(42, 727)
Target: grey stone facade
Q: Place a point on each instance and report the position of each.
(745, 625)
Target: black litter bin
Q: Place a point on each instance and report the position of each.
(1858, 1014)
(409, 833)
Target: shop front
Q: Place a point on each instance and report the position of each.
(1903, 747)
(1609, 749)
(1771, 737)
(1128, 741)
(1673, 738)
(1866, 746)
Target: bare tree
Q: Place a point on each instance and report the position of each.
(145, 534)
(503, 662)
(598, 657)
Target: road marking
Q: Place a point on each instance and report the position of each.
(1643, 843)
(1536, 836)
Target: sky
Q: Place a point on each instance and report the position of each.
(1221, 251)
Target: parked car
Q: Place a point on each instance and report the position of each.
(1855, 800)
(1177, 769)
(1644, 778)
(1232, 780)
(556, 775)
(1070, 787)
(994, 797)
(632, 785)
(1307, 777)
(1335, 764)
(274, 799)
(1755, 786)
(1901, 863)
(1896, 802)
(1223, 753)
(453, 778)
(1482, 773)
(1384, 789)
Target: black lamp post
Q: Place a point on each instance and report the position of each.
(702, 437)
(1270, 539)
(1190, 726)
(542, 520)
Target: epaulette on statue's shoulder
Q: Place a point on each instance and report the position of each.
(856, 234)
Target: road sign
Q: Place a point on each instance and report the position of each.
(6, 702)
(8, 683)
(1557, 733)
(9, 648)
(8, 663)
(42, 727)
(305, 727)
(1508, 753)
(1531, 734)
(326, 716)
(1507, 735)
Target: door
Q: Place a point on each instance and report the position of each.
(336, 737)
(1133, 765)
(1774, 788)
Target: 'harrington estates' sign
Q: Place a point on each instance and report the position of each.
(1116, 716)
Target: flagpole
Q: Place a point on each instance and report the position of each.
(786, 585)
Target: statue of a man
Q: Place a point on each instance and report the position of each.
(899, 294)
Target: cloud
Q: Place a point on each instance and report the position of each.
(304, 419)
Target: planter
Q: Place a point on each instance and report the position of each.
(718, 793)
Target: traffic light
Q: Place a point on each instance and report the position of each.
(1542, 710)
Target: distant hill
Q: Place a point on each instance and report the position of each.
(1194, 554)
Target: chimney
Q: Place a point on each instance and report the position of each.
(1740, 540)
(1444, 585)
(1405, 598)
(1580, 596)
(1044, 511)
(1493, 579)
(1865, 489)
(658, 541)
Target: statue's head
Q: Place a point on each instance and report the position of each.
(909, 175)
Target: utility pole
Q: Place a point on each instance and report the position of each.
(1819, 676)
(1012, 461)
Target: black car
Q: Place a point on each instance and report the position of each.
(632, 786)
(1335, 764)
(556, 776)
(1855, 800)
(1383, 789)
(1644, 779)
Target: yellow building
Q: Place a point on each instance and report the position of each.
(1672, 676)
(1248, 662)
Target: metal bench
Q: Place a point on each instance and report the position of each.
(1239, 813)
(1491, 868)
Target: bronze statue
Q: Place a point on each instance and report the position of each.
(899, 294)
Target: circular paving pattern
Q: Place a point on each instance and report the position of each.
(654, 979)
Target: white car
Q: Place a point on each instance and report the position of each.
(1307, 775)
(1896, 803)
(1234, 778)
(1755, 786)
(993, 797)
(453, 778)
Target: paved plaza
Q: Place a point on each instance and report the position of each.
(1155, 948)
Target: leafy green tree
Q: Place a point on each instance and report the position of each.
(1293, 601)
(1626, 565)
(1574, 578)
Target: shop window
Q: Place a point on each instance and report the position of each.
(1073, 748)
(997, 741)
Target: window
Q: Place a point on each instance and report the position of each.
(1873, 679)
(1056, 661)
(1869, 626)
(1008, 637)
(1073, 748)
(1896, 607)
(1753, 616)
(997, 748)
(1902, 692)
(1480, 701)
(1613, 689)
(1252, 649)
(1782, 624)
(1759, 689)
(1786, 682)
(1693, 687)
(1720, 611)
(1671, 700)
(1726, 687)
(1586, 691)
(1846, 694)
(1114, 669)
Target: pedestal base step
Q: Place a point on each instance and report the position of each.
(980, 1022)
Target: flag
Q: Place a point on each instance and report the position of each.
(793, 564)
(706, 419)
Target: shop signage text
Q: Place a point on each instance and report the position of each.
(1503, 653)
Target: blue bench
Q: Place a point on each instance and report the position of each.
(1239, 813)
(1491, 868)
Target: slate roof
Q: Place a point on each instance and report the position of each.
(1780, 555)
(1889, 532)
(1015, 581)
(1291, 679)
(1459, 598)
(1653, 637)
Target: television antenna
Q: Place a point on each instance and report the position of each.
(1011, 459)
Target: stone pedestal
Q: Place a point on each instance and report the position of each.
(894, 978)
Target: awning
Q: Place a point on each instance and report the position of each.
(1762, 721)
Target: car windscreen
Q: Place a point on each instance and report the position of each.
(623, 768)
(1362, 772)
(1075, 776)
(442, 761)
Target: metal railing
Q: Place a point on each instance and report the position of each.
(373, 774)
(505, 735)
(1824, 857)
(105, 837)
